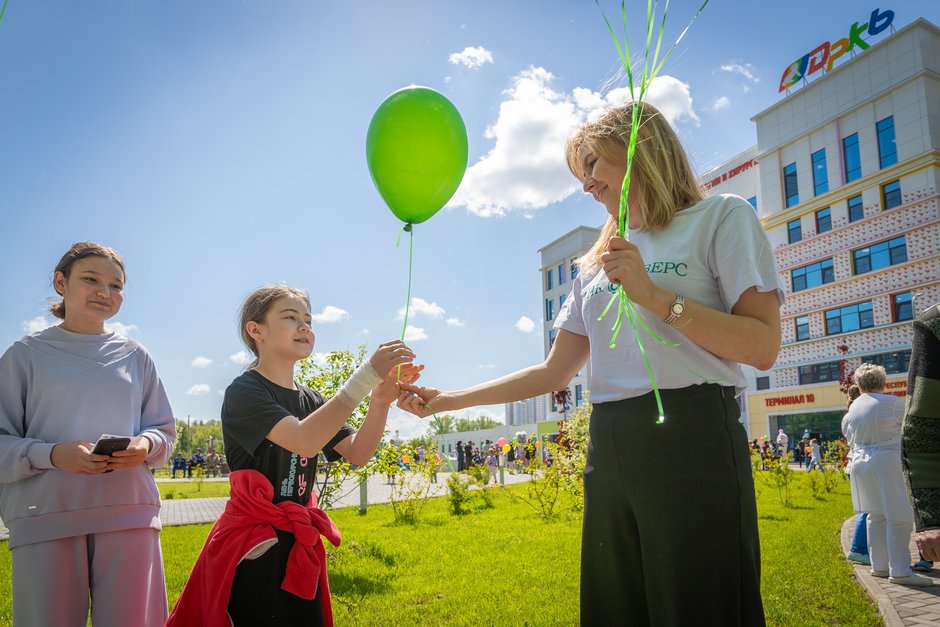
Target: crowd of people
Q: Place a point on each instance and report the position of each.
(212, 464)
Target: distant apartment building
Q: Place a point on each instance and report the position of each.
(527, 411)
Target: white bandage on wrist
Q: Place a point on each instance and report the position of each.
(359, 385)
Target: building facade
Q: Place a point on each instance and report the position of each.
(531, 410)
(558, 271)
(848, 178)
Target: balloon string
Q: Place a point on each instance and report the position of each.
(411, 247)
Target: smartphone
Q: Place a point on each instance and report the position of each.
(108, 444)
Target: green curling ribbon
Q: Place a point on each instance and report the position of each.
(650, 70)
(411, 249)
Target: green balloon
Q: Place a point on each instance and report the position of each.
(417, 152)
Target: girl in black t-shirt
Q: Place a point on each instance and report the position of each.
(277, 427)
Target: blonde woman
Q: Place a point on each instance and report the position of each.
(702, 275)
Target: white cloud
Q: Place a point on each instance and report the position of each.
(487, 366)
(37, 324)
(330, 314)
(472, 58)
(199, 389)
(124, 330)
(319, 358)
(419, 306)
(746, 70)
(455, 322)
(240, 358)
(201, 362)
(362, 332)
(526, 169)
(413, 334)
(720, 103)
(220, 392)
(525, 324)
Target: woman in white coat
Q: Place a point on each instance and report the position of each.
(872, 427)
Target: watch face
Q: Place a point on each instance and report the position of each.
(677, 309)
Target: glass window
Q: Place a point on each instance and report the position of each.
(820, 174)
(561, 274)
(852, 158)
(551, 337)
(574, 269)
(856, 211)
(561, 301)
(893, 363)
(887, 148)
(763, 383)
(823, 220)
(880, 255)
(891, 195)
(794, 231)
(791, 191)
(902, 307)
(813, 275)
(818, 373)
(849, 318)
(578, 395)
(549, 309)
(753, 201)
(802, 328)
(548, 279)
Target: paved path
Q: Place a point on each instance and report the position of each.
(191, 511)
(899, 605)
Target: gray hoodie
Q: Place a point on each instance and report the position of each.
(57, 386)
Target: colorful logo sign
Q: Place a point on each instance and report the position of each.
(825, 54)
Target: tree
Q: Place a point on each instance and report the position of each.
(475, 424)
(439, 424)
(327, 378)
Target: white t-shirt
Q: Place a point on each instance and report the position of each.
(710, 253)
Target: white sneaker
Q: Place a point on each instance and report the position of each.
(912, 580)
(880, 574)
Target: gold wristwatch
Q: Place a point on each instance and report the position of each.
(676, 309)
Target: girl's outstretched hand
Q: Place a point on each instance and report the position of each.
(418, 400)
(386, 392)
(390, 355)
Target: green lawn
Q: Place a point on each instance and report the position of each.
(192, 489)
(503, 566)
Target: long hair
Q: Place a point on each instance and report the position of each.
(256, 307)
(80, 250)
(661, 171)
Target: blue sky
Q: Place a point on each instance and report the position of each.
(220, 145)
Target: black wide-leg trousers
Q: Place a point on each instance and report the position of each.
(670, 519)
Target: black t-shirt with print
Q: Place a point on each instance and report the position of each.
(252, 406)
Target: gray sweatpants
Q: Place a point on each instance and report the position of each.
(119, 574)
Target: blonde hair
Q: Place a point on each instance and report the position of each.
(80, 250)
(870, 378)
(661, 170)
(257, 306)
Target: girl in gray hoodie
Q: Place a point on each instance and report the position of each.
(84, 528)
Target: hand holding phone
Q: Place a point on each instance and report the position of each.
(107, 444)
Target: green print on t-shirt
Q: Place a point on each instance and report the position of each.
(667, 267)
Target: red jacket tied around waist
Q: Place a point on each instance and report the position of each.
(248, 525)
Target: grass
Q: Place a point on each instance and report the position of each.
(192, 489)
(504, 566)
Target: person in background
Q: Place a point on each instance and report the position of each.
(872, 427)
(783, 443)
